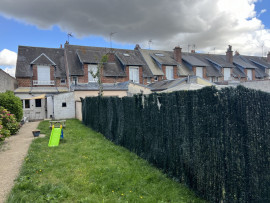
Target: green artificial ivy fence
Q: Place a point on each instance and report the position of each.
(216, 142)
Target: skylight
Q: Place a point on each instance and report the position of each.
(125, 54)
(159, 54)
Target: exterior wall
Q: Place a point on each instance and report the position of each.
(58, 82)
(24, 82)
(253, 74)
(113, 79)
(64, 112)
(263, 85)
(83, 94)
(35, 75)
(140, 74)
(33, 113)
(175, 75)
(7, 82)
(137, 89)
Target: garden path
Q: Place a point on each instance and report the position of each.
(12, 154)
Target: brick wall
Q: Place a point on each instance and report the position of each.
(175, 74)
(113, 79)
(24, 82)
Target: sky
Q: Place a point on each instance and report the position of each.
(208, 26)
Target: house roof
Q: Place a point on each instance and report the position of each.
(106, 87)
(258, 61)
(39, 56)
(193, 60)
(243, 62)
(164, 58)
(218, 60)
(168, 84)
(78, 55)
(237, 72)
(41, 90)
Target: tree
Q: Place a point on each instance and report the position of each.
(97, 75)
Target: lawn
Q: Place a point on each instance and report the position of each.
(86, 167)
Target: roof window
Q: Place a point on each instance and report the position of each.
(125, 54)
(159, 54)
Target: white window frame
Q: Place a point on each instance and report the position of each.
(169, 72)
(74, 80)
(63, 83)
(134, 74)
(227, 75)
(199, 73)
(94, 69)
(249, 74)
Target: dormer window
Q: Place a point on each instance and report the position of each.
(169, 72)
(134, 74)
(43, 76)
(92, 71)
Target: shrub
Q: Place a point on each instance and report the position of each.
(8, 122)
(12, 103)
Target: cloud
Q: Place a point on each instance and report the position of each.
(7, 58)
(209, 24)
(10, 70)
(261, 12)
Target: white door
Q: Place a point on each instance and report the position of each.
(199, 71)
(43, 73)
(249, 74)
(49, 107)
(227, 73)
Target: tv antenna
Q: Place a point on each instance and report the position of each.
(149, 43)
(111, 35)
(69, 35)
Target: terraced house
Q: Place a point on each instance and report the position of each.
(51, 80)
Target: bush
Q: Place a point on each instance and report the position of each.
(12, 103)
(8, 123)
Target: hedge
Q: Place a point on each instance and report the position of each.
(217, 142)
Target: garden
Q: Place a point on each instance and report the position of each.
(86, 167)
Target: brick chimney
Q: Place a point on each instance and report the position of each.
(229, 55)
(177, 54)
(193, 51)
(137, 47)
(61, 46)
(236, 53)
(111, 57)
(268, 57)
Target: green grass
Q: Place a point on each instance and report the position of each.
(86, 167)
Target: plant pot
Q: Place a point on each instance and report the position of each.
(36, 133)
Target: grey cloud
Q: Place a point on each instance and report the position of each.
(135, 21)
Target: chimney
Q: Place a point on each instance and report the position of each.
(193, 51)
(268, 57)
(137, 47)
(236, 53)
(67, 42)
(177, 54)
(61, 46)
(229, 55)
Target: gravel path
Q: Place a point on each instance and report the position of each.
(12, 154)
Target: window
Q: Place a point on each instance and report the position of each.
(64, 104)
(134, 74)
(43, 73)
(199, 71)
(169, 72)
(74, 80)
(38, 102)
(92, 70)
(159, 54)
(227, 73)
(148, 80)
(249, 74)
(156, 78)
(213, 79)
(63, 81)
(27, 104)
